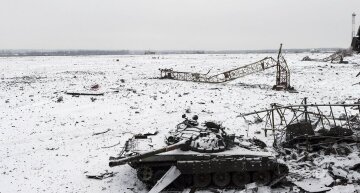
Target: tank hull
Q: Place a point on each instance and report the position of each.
(192, 166)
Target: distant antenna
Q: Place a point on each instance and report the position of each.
(353, 25)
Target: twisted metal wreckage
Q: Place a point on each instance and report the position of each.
(282, 73)
(306, 135)
(337, 57)
(299, 124)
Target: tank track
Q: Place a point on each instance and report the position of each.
(229, 180)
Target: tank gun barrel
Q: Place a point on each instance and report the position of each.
(126, 160)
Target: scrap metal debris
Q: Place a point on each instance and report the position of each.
(60, 99)
(84, 93)
(99, 133)
(145, 135)
(104, 175)
(337, 57)
(95, 87)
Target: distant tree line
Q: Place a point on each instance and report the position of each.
(62, 52)
(7, 53)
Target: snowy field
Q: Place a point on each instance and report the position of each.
(50, 146)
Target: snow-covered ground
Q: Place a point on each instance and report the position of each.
(49, 146)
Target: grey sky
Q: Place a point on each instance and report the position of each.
(175, 24)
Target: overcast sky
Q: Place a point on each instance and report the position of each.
(176, 24)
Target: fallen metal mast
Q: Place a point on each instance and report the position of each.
(282, 75)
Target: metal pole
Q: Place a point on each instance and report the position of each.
(306, 114)
(347, 118)
(332, 114)
(322, 121)
(278, 73)
(273, 125)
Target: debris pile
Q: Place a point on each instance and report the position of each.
(311, 157)
(337, 57)
(319, 143)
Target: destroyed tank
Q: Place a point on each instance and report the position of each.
(201, 156)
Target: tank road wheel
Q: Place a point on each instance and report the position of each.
(202, 180)
(183, 181)
(158, 175)
(145, 173)
(262, 177)
(221, 179)
(240, 179)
